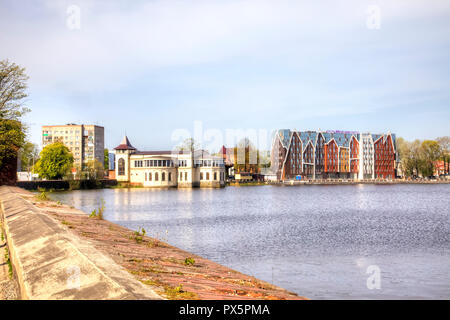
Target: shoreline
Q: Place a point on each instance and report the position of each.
(257, 183)
(169, 271)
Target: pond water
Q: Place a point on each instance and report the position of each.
(323, 242)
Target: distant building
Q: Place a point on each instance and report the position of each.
(440, 168)
(26, 176)
(227, 154)
(167, 168)
(333, 154)
(111, 161)
(85, 142)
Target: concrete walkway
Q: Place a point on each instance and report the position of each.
(52, 263)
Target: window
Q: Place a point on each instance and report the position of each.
(181, 176)
(159, 163)
(215, 175)
(170, 176)
(149, 176)
(185, 176)
(121, 167)
(156, 176)
(207, 176)
(201, 175)
(146, 176)
(163, 176)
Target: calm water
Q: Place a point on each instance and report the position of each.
(317, 241)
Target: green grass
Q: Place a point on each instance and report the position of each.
(43, 196)
(8, 262)
(138, 236)
(98, 213)
(172, 293)
(177, 293)
(189, 261)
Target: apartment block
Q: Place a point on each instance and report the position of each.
(333, 155)
(85, 142)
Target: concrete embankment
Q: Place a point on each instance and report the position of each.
(51, 263)
(48, 241)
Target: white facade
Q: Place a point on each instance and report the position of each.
(167, 168)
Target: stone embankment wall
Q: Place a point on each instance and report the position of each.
(51, 263)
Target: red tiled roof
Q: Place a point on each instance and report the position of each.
(125, 145)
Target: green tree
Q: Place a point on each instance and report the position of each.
(12, 134)
(13, 85)
(106, 163)
(94, 169)
(29, 154)
(430, 152)
(55, 161)
(246, 157)
(11, 140)
(444, 143)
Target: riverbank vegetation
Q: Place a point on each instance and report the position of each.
(421, 158)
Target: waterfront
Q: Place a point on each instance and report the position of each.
(314, 240)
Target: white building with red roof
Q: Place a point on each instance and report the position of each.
(167, 168)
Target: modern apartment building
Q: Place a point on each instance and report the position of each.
(86, 142)
(333, 154)
(184, 169)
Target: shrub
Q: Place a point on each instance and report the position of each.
(98, 213)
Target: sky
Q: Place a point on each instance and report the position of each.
(149, 69)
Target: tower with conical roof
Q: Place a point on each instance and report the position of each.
(122, 157)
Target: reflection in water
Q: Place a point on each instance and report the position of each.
(314, 240)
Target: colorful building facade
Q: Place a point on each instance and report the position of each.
(333, 155)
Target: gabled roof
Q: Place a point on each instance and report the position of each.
(285, 137)
(125, 145)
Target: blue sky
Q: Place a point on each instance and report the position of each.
(148, 68)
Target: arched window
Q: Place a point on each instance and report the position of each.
(121, 167)
(207, 176)
(170, 176)
(149, 176)
(185, 176)
(156, 176)
(163, 176)
(215, 175)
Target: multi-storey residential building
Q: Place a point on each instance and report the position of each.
(86, 142)
(333, 154)
(168, 168)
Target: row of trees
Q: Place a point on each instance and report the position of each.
(418, 158)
